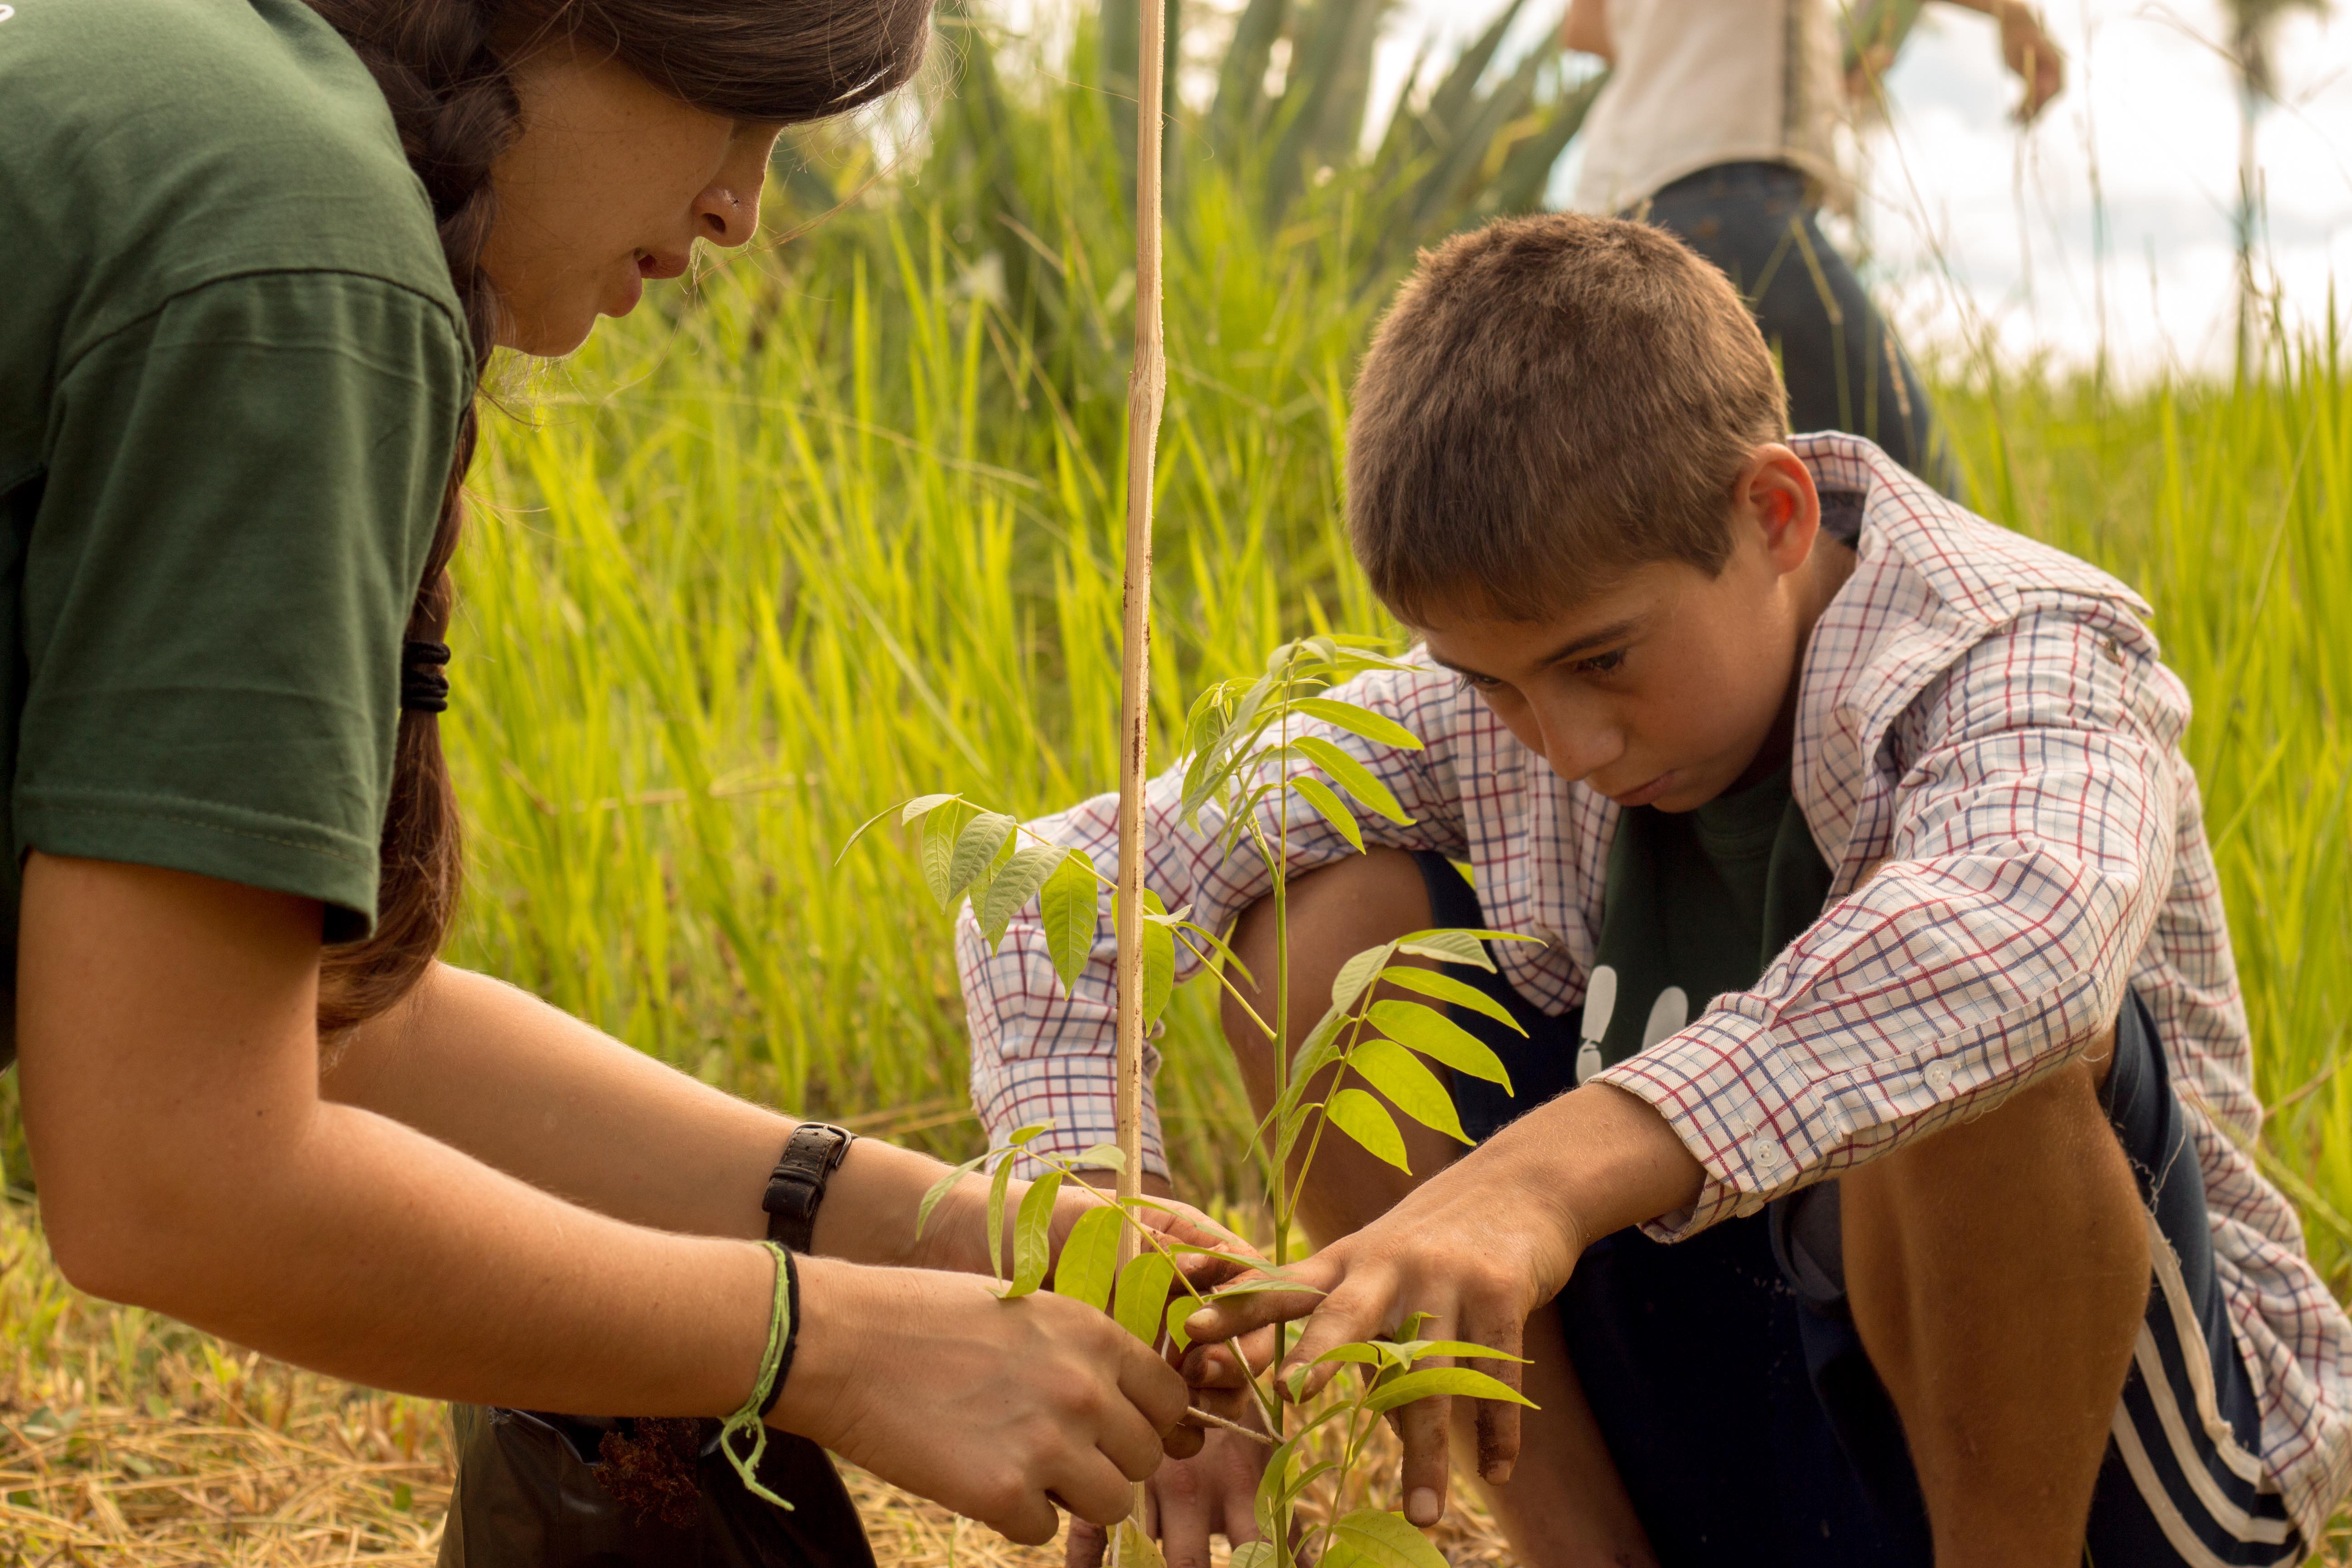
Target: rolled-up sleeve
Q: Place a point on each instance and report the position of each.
(2032, 847)
(1040, 1054)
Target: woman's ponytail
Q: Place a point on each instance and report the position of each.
(456, 113)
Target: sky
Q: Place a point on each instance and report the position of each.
(1976, 228)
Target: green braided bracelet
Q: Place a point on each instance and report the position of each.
(773, 1365)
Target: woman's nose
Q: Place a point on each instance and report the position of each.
(727, 212)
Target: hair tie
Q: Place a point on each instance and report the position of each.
(423, 688)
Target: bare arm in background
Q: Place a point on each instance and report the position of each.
(2026, 46)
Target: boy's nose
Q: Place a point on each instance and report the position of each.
(1577, 752)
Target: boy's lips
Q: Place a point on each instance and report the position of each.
(650, 265)
(1647, 793)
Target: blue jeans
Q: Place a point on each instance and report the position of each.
(1843, 368)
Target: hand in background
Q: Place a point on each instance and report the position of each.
(2040, 64)
(1188, 1502)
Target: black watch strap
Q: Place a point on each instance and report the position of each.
(797, 1184)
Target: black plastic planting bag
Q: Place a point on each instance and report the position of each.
(539, 1491)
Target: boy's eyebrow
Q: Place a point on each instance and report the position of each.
(1593, 638)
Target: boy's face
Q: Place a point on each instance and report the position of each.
(1668, 687)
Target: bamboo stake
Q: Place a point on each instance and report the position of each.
(1147, 384)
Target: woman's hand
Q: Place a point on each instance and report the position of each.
(1473, 1251)
(998, 1409)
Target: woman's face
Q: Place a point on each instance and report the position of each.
(610, 182)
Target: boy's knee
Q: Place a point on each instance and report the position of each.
(1335, 911)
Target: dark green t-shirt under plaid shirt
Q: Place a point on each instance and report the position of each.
(231, 366)
(1697, 903)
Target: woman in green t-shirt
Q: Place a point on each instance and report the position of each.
(261, 249)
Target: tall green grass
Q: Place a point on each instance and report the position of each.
(842, 524)
(843, 528)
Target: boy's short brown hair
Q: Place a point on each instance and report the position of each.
(1549, 401)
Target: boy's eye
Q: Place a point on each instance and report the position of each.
(1604, 663)
(1478, 682)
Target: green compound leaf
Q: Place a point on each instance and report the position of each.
(1131, 1548)
(937, 850)
(1425, 1029)
(1421, 1349)
(1445, 988)
(1459, 1381)
(1375, 1538)
(1067, 903)
(1374, 727)
(1333, 809)
(907, 813)
(996, 1187)
(1181, 1308)
(1357, 975)
(1354, 777)
(1089, 1258)
(1140, 1303)
(1254, 1554)
(1408, 1086)
(1022, 1135)
(1368, 1121)
(1015, 886)
(976, 850)
(1101, 1157)
(941, 1189)
(1158, 956)
(923, 805)
(1033, 1234)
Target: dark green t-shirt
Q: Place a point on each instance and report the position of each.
(231, 366)
(1698, 903)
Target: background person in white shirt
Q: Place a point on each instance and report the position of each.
(1728, 122)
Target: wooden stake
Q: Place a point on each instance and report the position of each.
(1147, 384)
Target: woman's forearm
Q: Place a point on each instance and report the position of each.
(526, 1088)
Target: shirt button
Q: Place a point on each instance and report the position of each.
(1764, 1152)
(1939, 1076)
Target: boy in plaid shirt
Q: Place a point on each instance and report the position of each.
(1875, 1188)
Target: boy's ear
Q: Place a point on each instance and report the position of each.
(1776, 495)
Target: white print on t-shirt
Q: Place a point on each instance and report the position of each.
(1668, 1014)
(1600, 1006)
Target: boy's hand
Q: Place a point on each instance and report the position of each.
(1475, 1251)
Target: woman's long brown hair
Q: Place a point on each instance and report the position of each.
(440, 68)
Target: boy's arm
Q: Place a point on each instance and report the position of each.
(1040, 1054)
(2032, 851)
(2031, 857)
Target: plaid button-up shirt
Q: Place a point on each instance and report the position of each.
(1983, 719)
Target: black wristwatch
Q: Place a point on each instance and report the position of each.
(797, 1184)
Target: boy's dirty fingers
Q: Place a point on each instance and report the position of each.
(1424, 1425)
(1232, 1317)
(1085, 1545)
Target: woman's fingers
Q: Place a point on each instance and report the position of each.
(1364, 1308)
(1092, 1488)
